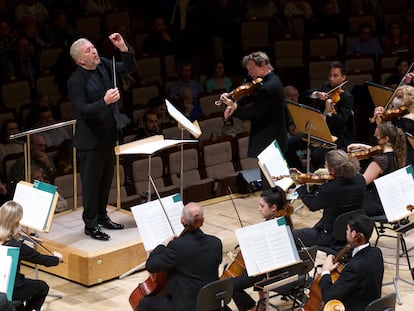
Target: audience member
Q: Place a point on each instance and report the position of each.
(395, 40)
(7, 39)
(160, 40)
(368, 7)
(41, 102)
(32, 292)
(366, 44)
(30, 30)
(261, 9)
(61, 32)
(400, 70)
(150, 125)
(34, 10)
(38, 157)
(299, 7)
(330, 20)
(185, 80)
(23, 63)
(97, 6)
(55, 136)
(394, 156)
(218, 81)
(226, 16)
(346, 179)
(7, 145)
(64, 156)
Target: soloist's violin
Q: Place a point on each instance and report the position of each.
(243, 90)
(367, 153)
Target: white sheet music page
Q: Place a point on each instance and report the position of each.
(267, 246)
(396, 193)
(36, 205)
(274, 164)
(152, 223)
(194, 129)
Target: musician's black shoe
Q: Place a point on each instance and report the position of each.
(109, 224)
(97, 234)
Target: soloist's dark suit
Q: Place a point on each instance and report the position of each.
(334, 198)
(191, 261)
(359, 283)
(266, 115)
(32, 291)
(96, 132)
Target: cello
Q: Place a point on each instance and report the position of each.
(155, 283)
(315, 301)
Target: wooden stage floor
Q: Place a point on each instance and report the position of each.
(221, 220)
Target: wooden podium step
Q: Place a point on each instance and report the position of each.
(88, 261)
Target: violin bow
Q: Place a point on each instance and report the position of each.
(234, 205)
(162, 205)
(395, 90)
(337, 87)
(35, 241)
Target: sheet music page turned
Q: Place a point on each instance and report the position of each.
(152, 223)
(38, 205)
(267, 246)
(396, 192)
(273, 164)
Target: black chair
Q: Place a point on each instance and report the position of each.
(340, 232)
(215, 295)
(293, 291)
(386, 303)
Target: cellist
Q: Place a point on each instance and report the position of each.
(190, 260)
(272, 204)
(360, 281)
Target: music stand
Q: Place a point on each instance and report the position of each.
(311, 122)
(380, 94)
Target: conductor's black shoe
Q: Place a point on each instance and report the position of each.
(109, 224)
(97, 234)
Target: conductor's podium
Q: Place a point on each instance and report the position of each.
(88, 261)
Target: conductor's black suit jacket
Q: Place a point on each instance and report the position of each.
(96, 126)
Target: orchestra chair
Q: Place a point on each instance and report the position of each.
(215, 295)
(340, 232)
(385, 303)
(380, 225)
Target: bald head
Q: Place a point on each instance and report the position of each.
(291, 93)
(192, 215)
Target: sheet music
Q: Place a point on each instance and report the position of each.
(274, 165)
(180, 118)
(9, 257)
(267, 246)
(152, 223)
(36, 203)
(396, 193)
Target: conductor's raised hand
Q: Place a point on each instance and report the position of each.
(118, 42)
(111, 96)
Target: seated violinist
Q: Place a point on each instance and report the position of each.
(360, 281)
(327, 197)
(394, 156)
(190, 261)
(272, 204)
(32, 291)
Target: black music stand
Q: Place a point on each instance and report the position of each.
(311, 122)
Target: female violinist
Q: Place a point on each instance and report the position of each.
(394, 156)
(272, 204)
(406, 122)
(33, 292)
(190, 261)
(342, 194)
